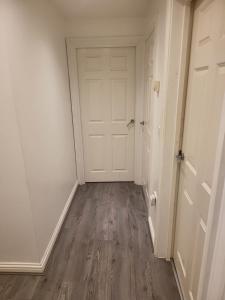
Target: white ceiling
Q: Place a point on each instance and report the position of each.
(103, 8)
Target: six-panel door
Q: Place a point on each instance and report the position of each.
(206, 90)
(107, 98)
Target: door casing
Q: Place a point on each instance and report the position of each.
(100, 42)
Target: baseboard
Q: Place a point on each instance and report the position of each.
(151, 227)
(145, 194)
(57, 229)
(152, 231)
(17, 267)
(177, 280)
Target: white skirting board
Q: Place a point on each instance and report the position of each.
(152, 231)
(21, 267)
(151, 227)
(177, 280)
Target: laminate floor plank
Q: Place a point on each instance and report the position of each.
(104, 252)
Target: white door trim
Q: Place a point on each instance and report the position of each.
(76, 43)
(175, 74)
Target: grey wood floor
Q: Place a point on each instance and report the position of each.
(104, 252)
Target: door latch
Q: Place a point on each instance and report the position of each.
(180, 156)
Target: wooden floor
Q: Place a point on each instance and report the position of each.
(104, 252)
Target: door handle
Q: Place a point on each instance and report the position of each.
(142, 123)
(131, 123)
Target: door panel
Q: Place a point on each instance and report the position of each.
(119, 99)
(206, 90)
(107, 96)
(120, 150)
(97, 157)
(96, 106)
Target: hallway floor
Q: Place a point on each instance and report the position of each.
(104, 252)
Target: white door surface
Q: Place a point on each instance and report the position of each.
(206, 90)
(107, 97)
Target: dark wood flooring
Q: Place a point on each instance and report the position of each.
(104, 252)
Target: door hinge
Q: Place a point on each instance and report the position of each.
(180, 156)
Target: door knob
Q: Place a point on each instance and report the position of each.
(142, 123)
(131, 123)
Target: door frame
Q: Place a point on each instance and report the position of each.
(178, 38)
(73, 44)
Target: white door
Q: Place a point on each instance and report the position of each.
(107, 96)
(206, 90)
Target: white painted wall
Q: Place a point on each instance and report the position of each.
(37, 150)
(105, 27)
(73, 9)
(158, 19)
(16, 228)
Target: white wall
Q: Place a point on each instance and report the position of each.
(37, 160)
(158, 19)
(105, 27)
(16, 228)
